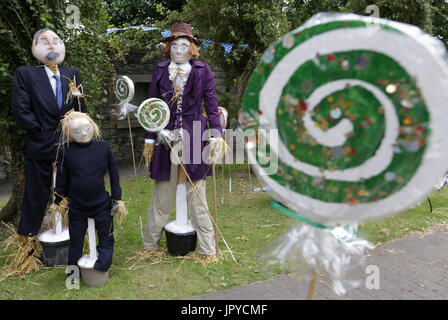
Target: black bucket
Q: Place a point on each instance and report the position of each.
(55, 253)
(179, 244)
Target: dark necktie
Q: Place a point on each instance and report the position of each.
(58, 90)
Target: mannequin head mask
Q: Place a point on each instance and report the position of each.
(181, 50)
(79, 127)
(48, 48)
(180, 45)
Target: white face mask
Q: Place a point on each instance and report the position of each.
(49, 48)
(81, 130)
(179, 51)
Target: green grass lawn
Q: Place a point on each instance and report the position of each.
(247, 222)
(419, 218)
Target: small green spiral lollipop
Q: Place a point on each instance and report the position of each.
(124, 89)
(153, 114)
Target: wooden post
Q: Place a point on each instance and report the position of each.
(250, 178)
(214, 204)
(222, 178)
(230, 180)
(135, 175)
(312, 287)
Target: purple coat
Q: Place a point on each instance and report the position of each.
(200, 88)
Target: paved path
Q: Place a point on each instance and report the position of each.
(412, 267)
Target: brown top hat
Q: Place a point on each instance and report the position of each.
(181, 30)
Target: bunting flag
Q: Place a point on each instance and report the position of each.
(166, 33)
(227, 48)
(206, 44)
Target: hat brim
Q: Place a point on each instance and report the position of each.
(174, 36)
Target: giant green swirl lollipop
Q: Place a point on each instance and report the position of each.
(360, 112)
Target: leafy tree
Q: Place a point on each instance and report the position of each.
(124, 43)
(439, 18)
(140, 12)
(86, 47)
(250, 25)
(260, 23)
(416, 12)
(299, 11)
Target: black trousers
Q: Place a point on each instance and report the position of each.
(77, 226)
(38, 175)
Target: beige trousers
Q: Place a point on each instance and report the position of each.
(159, 212)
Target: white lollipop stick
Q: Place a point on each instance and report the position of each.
(181, 205)
(92, 239)
(58, 230)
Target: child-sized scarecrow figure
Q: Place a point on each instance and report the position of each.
(41, 95)
(185, 84)
(83, 161)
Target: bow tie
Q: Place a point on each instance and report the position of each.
(178, 71)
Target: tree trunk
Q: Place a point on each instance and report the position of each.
(17, 168)
(9, 211)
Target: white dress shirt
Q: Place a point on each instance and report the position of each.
(52, 79)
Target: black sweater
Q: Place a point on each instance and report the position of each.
(80, 176)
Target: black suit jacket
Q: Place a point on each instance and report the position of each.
(35, 108)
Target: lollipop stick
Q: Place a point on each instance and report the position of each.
(58, 226)
(58, 229)
(181, 200)
(92, 240)
(54, 168)
(250, 178)
(312, 287)
(135, 175)
(230, 180)
(214, 203)
(430, 205)
(222, 178)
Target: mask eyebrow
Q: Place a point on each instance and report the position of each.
(181, 42)
(44, 38)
